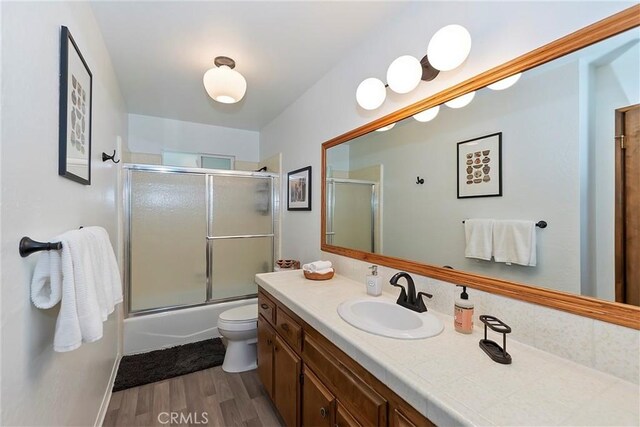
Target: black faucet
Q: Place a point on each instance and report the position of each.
(411, 301)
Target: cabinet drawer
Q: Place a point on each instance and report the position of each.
(267, 308)
(288, 329)
(366, 406)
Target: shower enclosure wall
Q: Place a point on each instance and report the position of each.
(195, 238)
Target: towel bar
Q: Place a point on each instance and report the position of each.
(539, 224)
(28, 246)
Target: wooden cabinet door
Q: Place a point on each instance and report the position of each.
(400, 420)
(344, 418)
(317, 402)
(266, 341)
(286, 382)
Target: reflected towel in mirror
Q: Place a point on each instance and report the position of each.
(479, 238)
(514, 241)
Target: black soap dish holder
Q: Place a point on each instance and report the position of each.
(493, 350)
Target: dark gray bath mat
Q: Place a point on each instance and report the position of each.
(158, 365)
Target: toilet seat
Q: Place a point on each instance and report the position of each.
(239, 319)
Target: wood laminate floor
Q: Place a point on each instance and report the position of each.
(226, 399)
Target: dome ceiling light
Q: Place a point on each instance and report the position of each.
(447, 49)
(223, 83)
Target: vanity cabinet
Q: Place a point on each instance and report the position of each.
(318, 402)
(266, 342)
(313, 383)
(286, 382)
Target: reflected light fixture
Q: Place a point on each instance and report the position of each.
(386, 128)
(449, 47)
(404, 74)
(371, 93)
(427, 115)
(461, 101)
(223, 83)
(505, 83)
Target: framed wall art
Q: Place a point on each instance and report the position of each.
(299, 190)
(480, 167)
(75, 112)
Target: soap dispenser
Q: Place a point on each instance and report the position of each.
(463, 313)
(374, 284)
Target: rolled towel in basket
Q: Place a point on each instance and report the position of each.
(324, 271)
(315, 266)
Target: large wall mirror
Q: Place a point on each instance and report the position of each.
(544, 149)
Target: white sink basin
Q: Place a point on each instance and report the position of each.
(388, 319)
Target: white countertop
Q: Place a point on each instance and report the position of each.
(449, 379)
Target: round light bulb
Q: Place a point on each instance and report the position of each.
(371, 93)
(461, 101)
(224, 84)
(404, 74)
(449, 47)
(385, 128)
(427, 115)
(505, 83)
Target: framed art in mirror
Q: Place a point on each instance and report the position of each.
(299, 190)
(75, 112)
(480, 167)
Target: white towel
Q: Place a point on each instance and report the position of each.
(85, 278)
(323, 271)
(317, 265)
(514, 242)
(479, 238)
(106, 272)
(69, 331)
(46, 284)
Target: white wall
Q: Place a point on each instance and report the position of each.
(538, 119)
(500, 31)
(39, 386)
(154, 134)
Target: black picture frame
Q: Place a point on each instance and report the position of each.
(76, 96)
(299, 189)
(479, 167)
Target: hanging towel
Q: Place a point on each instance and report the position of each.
(79, 318)
(479, 238)
(514, 241)
(46, 284)
(106, 272)
(317, 265)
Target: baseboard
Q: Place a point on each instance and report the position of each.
(106, 399)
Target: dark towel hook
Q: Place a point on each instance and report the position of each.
(106, 157)
(419, 180)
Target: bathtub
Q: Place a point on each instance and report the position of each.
(162, 330)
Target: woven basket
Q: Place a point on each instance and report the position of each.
(316, 276)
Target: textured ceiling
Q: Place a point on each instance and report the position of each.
(160, 51)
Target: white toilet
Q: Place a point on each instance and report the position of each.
(240, 327)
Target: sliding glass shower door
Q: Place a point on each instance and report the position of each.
(240, 233)
(195, 236)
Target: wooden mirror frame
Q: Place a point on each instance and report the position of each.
(612, 312)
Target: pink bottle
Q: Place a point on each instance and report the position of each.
(463, 313)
